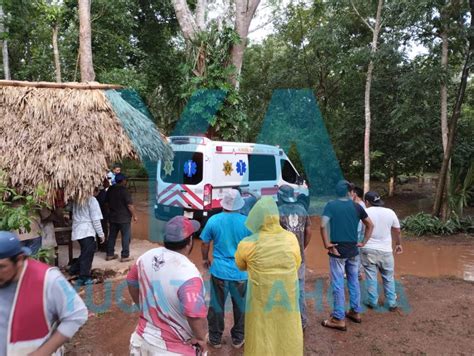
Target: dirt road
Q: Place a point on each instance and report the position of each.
(438, 320)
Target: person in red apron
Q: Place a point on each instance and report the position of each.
(39, 309)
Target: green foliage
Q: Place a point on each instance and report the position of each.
(16, 209)
(208, 67)
(461, 191)
(325, 47)
(426, 224)
(45, 255)
(128, 77)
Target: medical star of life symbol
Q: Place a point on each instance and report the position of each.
(227, 168)
(168, 167)
(241, 167)
(190, 168)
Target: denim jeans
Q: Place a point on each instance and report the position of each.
(219, 290)
(373, 261)
(126, 232)
(83, 264)
(33, 244)
(337, 267)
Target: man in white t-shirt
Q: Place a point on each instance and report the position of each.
(377, 253)
(169, 290)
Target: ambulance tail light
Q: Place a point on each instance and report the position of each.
(207, 201)
(218, 148)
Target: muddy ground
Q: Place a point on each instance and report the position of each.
(437, 319)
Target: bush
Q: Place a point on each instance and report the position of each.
(424, 224)
(45, 255)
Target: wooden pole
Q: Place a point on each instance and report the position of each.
(70, 85)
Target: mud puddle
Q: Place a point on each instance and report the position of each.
(425, 258)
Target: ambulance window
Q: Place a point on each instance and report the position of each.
(262, 167)
(186, 168)
(288, 173)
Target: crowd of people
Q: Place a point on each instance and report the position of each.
(258, 259)
(108, 212)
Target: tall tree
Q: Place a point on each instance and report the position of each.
(244, 13)
(85, 41)
(468, 62)
(3, 34)
(53, 13)
(375, 28)
(193, 23)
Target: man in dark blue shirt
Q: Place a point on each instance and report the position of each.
(340, 221)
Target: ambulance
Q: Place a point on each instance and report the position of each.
(194, 182)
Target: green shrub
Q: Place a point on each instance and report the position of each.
(45, 255)
(425, 224)
(16, 209)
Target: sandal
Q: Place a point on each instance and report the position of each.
(355, 317)
(332, 324)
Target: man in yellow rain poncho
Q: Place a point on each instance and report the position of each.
(272, 258)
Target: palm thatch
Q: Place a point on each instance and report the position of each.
(65, 138)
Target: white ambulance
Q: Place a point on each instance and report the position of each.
(202, 170)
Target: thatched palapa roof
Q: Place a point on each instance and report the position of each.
(65, 135)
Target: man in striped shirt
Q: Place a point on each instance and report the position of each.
(169, 290)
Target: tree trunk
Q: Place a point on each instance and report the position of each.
(57, 62)
(85, 41)
(185, 19)
(441, 188)
(368, 84)
(244, 13)
(444, 89)
(444, 112)
(445, 211)
(391, 186)
(6, 60)
(201, 14)
(392, 181)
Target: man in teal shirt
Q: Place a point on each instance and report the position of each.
(226, 230)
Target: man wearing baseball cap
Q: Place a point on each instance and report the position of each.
(169, 290)
(377, 255)
(39, 309)
(226, 230)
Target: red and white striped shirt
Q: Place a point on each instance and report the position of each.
(171, 289)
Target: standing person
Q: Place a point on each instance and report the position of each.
(103, 209)
(116, 169)
(121, 212)
(339, 221)
(225, 230)
(272, 258)
(39, 309)
(86, 225)
(294, 218)
(249, 201)
(377, 255)
(174, 323)
(358, 197)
